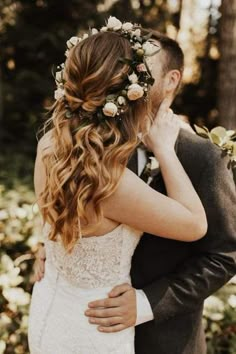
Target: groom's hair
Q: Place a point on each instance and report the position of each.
(174, 54)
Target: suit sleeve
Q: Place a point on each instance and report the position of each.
(213, 261)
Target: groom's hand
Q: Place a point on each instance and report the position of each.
(115, 313)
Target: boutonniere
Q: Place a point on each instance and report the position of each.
(151, 169)
(225, 140)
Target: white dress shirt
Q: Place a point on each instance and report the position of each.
(144, 310)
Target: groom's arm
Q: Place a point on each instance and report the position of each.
(213, 262)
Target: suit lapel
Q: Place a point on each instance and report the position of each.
(133, 162)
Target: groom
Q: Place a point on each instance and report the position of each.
(174, 278)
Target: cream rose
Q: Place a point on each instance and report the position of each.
(113, 23)
(133, 78)
(137, 32)
(149, 48)
(110, 109)
(135, 92)
(85, 36)
(94, 31)
(59, 93)
(137, 45)
(103, 29)
(121, 100)
(127, 26)
(72, 42)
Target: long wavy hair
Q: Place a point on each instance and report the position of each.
(85, 165)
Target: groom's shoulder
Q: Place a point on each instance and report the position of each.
(196, 148)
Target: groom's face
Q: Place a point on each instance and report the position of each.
(161, 87)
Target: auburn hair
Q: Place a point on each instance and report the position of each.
(85, 165)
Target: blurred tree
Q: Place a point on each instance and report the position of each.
(227, 65)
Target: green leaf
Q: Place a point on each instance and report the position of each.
(202, 131)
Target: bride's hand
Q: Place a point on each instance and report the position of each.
(164, 129)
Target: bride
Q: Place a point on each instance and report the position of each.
(94, 208)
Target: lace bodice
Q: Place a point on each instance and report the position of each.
(96, 261)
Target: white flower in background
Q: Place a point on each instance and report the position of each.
(16, 296)
(135, 92)
(121, 100)
(133, 78)
(94, 31)
(20, 213)
(149, 48)
(214, 308)
(232, 301)
(114, 24)
(59, 93)
(3, 215)
(233, 280)
(72, 42)
(12, 278)
(127, 26)
(2, 346)
(110, 109)
(104, 29)
(137, 32)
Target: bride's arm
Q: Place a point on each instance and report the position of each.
(180, 215)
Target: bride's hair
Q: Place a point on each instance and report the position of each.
(84, 167)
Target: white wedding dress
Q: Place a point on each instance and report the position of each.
(57, 323)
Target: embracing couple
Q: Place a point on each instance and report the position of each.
(130, 252)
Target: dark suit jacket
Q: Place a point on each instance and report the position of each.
(176, 276)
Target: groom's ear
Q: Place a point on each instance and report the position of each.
(172, 81)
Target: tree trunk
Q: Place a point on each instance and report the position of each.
(227, 65)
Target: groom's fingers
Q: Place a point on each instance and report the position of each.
(110, 321)
(105, 303)
(103, 313)
(112, 329)
(119, 289)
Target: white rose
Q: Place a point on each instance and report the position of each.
(232, 301)
(103, 29)
(133, 78)
(149, 48)
(72, 42)
(121, 100)
(135, 92)
(113, 23)
(137, 45)
(110, 109)
(94, 31)
(59, 93)
(85, 36)
(59, 76)
(137, 32)
(127, 26)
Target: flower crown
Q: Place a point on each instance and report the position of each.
(136, 85)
